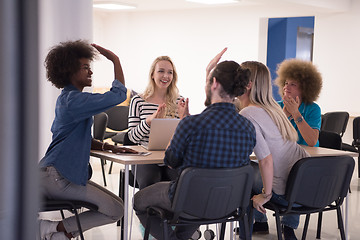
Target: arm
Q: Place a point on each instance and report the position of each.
(291, 108)
(212, 64)
(267, 175)
(103, 146)
(119, 75)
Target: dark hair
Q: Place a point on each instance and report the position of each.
(62, 61)
(232, 77)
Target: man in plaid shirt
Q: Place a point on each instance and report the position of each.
(219, 137)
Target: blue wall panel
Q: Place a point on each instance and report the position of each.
(282, 34)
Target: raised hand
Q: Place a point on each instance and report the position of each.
(119, 75)
(212, 64)
(105, 52)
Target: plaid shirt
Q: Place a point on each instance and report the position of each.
(219, 137)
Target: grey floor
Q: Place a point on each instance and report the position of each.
(329, 230)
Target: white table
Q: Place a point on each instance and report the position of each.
(157, 157)
(126, 159)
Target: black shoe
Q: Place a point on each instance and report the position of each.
(289, 233)
(260, 228)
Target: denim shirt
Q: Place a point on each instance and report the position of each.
(69, 151)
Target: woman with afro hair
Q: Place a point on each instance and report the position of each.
(64, 168)
(300, 84)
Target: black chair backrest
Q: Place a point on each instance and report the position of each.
(330, 140)
(212, 193)
(100, 123)
(356, 131)
(118, 118)
(335, 122)
(318, 181)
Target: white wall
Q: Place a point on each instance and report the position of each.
(60, 20)
(192, 37)
(336, 53)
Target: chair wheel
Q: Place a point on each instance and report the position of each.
(196, 235)
(209, 234)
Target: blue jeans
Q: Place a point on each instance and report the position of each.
(288, 220)
(157, 195)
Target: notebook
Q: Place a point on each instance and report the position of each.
(161, 132)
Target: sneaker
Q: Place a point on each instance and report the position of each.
(47, 227)
(260, 228)
(289, 233)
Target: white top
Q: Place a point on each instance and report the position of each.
(285, 153)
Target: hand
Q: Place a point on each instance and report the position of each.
(258, 202)
(212, 64)
(291, 105)
(183, 108)
(117, 149)
(106, 52)
(160, 113)
(118, 72)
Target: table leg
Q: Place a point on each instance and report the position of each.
(346, 215)
(124, 194)
(231, 230)
(121, 195)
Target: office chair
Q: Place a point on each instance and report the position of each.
(330, 140)
(99, 128)
(71, 205)
(335, 122)
(207, 196)
(356, 137)
(355, 146)
(318, 184)
(117, 122)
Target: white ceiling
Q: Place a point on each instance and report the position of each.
(161, 5)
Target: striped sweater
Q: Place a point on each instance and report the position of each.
(138, 112)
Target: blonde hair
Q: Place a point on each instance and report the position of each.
(261, 95)
(172, 92)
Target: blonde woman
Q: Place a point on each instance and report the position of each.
(276, 147)
(160, 99)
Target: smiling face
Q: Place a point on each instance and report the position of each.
(82, 78)
(292, 89)
(163, 74)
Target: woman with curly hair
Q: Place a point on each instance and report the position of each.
(64, 168)
(300, 84)
(160, 99)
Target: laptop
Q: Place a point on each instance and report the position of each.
(161, 132)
